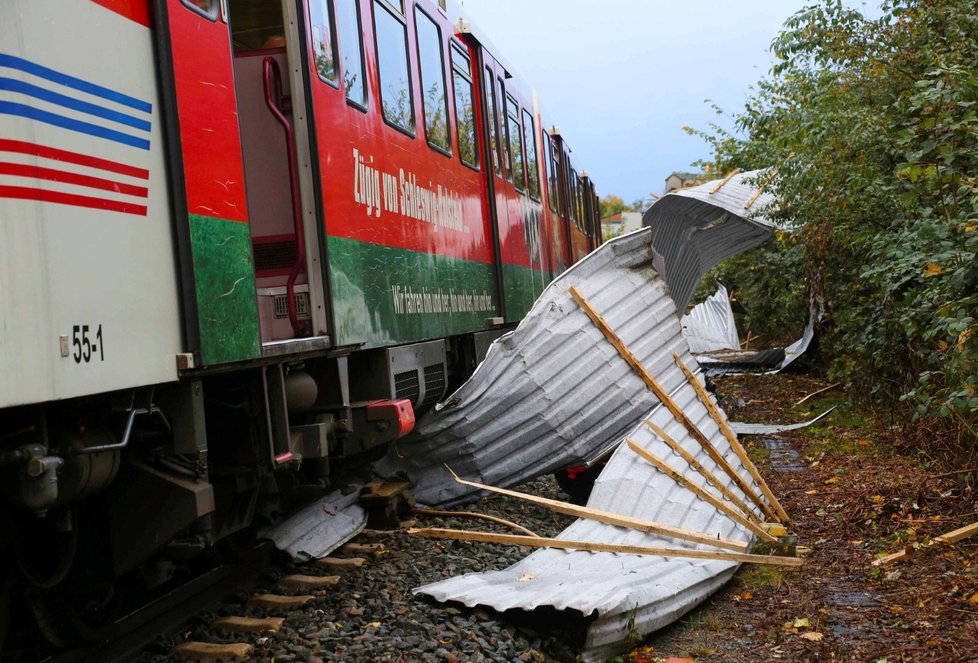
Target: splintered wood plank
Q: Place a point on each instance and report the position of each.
(209, 651)
(663, 467)
(275, 601)
(663, 395)
(593, 546)
(363, 548)
(249, 624)
(734, 442)
(950, 537)
(343, 563)
(308, 582)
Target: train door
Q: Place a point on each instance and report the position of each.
(234, 154)
(559, 244)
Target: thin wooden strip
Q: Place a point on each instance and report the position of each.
(950, 537)
(820, 391)
(341, 563)
(544, 542)
(211, 651)
(275, 601)
(235, 624)
(363, 548)
(724, 181)
(308, 582)
(734, 444)
(472, 514)
(609, 518)
(663, 467)
(663, 396)
(697, 466)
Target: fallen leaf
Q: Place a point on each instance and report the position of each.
(832, 480)
(747, 596)
(811, 492)
(526, 577)
(933, 269)
(373, 625)
(863, 443)
(673, 659)
(814, 636)
(801, 622)
(897, 610)
(974, 599)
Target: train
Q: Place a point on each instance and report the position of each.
(243, 245)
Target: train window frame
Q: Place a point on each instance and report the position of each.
(554, 178)
(333, 82)
(463, 70)
(398, 17)
(515, 150)
(489, 84)
(530, 123)
(210, 14)
(447, 148)
(506, 157)
(361, 52)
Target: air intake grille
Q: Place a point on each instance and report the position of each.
(406, 385)
(434, 385)
(301, 305)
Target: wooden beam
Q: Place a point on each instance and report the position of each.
(590, 546)
(663, 467)
(697, 466)
(734, 444)
(210, 651)
(235, 624)
(472, 514)
(820, 391)
(950, 537)
(609, 518)
(724, 181)
(308, 582)
(662, 395)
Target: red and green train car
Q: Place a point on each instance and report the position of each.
(242, 244)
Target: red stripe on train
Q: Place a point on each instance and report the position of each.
(22, 147)
(28, 193)
(23, 170)
(134, 10)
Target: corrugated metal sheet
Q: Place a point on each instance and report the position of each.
(709, 326)
(320, 528)
(628, 594)
(552, 393)
(694, 229)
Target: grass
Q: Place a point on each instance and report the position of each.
(760, 575)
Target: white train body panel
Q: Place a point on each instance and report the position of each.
(85, 223)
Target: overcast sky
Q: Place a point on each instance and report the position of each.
(622, 77)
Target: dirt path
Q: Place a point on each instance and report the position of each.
(852, 492)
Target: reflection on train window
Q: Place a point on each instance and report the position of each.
(503, 140)
(351, 51)
(392, 64)
(323, 44)
(532, 164)
(490, 91)
(256, 25)
(433, 100)
(464, 112)
(516, 143)
(206, 8)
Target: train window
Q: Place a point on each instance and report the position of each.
(206, 8)
(323, 44)
(503, 131)
(554, 184)
(516, 143)
(464, 112)
(392, 65)
(573, 199)
(433, 99)
(532, 164)
(490, 91)
(351, 51)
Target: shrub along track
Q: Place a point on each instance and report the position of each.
(858, 491)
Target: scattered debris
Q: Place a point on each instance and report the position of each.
(470, 514)
(951, 537)
(320, 528)
(741, 428)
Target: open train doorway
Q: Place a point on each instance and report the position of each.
(274, 144)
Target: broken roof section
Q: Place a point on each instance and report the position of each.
(710, 326)
(552, 393)
(694, 229)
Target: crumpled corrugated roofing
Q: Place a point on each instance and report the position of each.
(710, 326)
(625, 593)
(320, 528)
(552, 393)
(694, 229)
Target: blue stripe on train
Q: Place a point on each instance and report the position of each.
(13, 108)
(12, 85)
(14, 62)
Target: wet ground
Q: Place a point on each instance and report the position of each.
(854, 489)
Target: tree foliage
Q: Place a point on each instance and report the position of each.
(872, 130)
